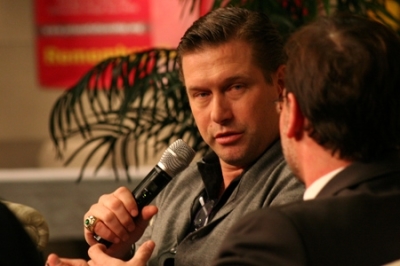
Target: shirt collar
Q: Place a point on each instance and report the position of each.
(313, 190)
(211, 174)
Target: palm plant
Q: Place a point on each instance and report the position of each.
(139, 99)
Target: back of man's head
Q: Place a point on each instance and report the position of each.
(345, 74)
(232, 23)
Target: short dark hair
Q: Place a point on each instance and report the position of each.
(232, 23)
(344, 72)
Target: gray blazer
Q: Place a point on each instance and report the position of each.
(267, 182)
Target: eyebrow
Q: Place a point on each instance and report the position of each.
(228, 80)
(237, 77)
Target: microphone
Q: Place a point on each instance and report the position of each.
(174, 159)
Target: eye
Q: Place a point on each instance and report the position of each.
(201, 94)
(236, 87)
(200, 98)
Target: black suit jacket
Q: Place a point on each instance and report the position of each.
(16, 247)
(354, 220)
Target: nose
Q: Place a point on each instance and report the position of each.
(221, 111)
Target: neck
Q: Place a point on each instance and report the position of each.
(229, 173)
(316, 161)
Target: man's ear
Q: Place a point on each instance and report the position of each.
(280, 74)
(296, 118)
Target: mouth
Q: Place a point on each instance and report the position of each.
(227, 137)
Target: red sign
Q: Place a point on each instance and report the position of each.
(73, 35)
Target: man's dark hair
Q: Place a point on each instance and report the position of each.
(232, 23)
(344, 72)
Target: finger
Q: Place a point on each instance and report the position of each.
(141, 222)
(115, 212)
(99, 257)
(143, 253)
(92, 263)
(145, 216)
(125, 195)
(54, 260)
(122, 205)
(120, 222)
(107, 232)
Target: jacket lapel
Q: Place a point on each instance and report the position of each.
(359, 172)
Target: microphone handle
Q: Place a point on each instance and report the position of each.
(145, 192)
(150, 186)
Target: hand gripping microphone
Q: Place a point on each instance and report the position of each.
(176, 158)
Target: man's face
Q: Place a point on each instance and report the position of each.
(232, 103)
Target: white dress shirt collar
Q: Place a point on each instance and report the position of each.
(313, 190)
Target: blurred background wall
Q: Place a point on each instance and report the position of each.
(29, 172)
(25, 105)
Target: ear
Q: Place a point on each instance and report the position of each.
(296, 119)
(280, 74)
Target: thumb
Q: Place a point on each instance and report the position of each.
(54, 260)
(143, 254)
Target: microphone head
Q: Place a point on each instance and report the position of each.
(176, 158)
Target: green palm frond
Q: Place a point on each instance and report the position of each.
(289, 15)
(139, 98)
(134, 98)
